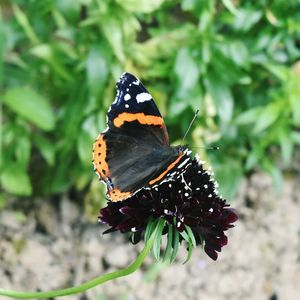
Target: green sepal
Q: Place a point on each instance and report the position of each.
(190, 251)
(175, 245)
(167, 254)
(151, 225)
(191, 242)
(191, 235)
(157, 242)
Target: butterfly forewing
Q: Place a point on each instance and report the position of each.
(133, 152)
(134, 102)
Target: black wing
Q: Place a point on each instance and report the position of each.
(134, 148)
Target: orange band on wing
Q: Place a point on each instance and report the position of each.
(117, 195)
(140, 117)
(172, 165)
(99, 157)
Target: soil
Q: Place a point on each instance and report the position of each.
(55, 246)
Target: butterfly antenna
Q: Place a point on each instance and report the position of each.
(207, 148)
(193, 120)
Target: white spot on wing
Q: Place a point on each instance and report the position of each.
(142, 97)
(127, 97)
(126, 105)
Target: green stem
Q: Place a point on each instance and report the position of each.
(87, 285)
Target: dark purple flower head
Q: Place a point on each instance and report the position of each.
(190, 200)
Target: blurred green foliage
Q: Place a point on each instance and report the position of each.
(238, 61)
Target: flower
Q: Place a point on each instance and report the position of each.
(191, 200)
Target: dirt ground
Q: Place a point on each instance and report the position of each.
(56, 247)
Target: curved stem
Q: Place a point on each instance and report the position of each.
(87, 285)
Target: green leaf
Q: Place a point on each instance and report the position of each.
(280, 71)
(97, 70)
(188, 91)
(229, 176)
(195, 6)
(187, 72)
(275, 172)
(46, 148)
(222, 96)
(247, 18)
(254, 157)
(295, 136)
(15, 180)
(2, 200)
(293, 91)
(177, 107)
(30, 105)
(24, 22)
(23, 150)
(141, 6)
(286, 145)
(248, 117)
(239, 53)
(2, 48)
(50, 55)
(267, 117)
(229, 5)
(84, 146)
(112, 32)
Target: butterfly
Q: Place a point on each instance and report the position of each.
(134, 152)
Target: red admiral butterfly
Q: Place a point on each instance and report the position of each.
(133, 152)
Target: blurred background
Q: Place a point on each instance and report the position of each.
(237, 61)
